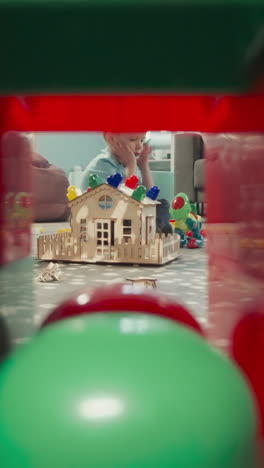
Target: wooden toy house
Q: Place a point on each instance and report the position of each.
(109, 225)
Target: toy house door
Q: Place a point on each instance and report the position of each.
(105, 237)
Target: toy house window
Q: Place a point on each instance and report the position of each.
(83, 230)
(127, 229)
(105, 202)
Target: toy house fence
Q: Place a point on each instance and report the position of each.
(62, 246)
(161, 250)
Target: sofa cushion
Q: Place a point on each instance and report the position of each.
(199, 174)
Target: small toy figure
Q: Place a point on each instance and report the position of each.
(50, 273)
(139, 193)
(95, 180)
(153, 192)
(114, 180)
(73, 192)
(186, 222)
(132, 182)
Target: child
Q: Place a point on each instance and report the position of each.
(127, 154)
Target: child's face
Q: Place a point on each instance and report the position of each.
(134, 141)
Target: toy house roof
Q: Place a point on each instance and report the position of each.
(105, 187)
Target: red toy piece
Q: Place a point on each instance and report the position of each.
(192, 244)
(132, 182)
(122, 298)
(177, 203)
(189, 234)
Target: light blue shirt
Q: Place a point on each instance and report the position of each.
(105, 164)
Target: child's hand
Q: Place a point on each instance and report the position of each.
(142, 160)
(124, 154)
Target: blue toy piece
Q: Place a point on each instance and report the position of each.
(114, 180)
(153, 192)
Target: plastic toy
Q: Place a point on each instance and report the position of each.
(113, 225)
(95, 180)
(124, 390)
(186, 222)
(114, 180)
(139, 193)
(120, 298)
(153, 192)
(73, 192)
(132, 182)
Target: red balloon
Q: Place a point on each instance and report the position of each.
(122, 298)
(248, 351)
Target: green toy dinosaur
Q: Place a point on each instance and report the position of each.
(186, 222)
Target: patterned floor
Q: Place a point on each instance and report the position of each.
(25, 301)
(185, 279)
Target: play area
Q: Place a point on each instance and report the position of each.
(132, 327)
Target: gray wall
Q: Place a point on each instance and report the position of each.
(69, 149)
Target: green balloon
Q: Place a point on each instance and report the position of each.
(123, 390)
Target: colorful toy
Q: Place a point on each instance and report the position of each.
(153, 192)
(139, 193)
(114, 180)
(120, 298)
(95, 180)
(186, 222)
(113, 225)
(124, 390)
(132, 182)
(73, 192)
